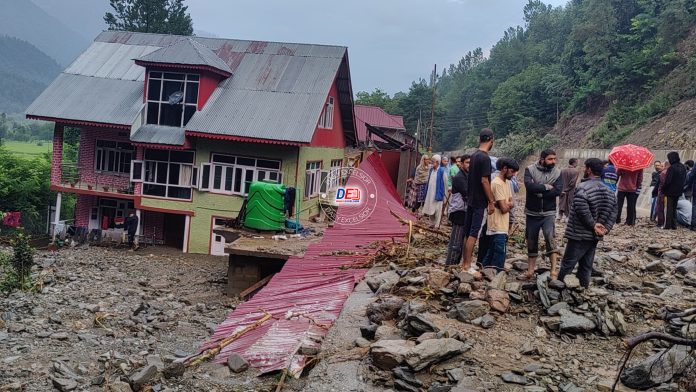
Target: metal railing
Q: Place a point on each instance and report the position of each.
(70, 177)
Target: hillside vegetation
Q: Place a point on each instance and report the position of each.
(620, 63)
(25, 72)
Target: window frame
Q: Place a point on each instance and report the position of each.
(315, 174)
(326, 120)
(101, 156)
(157, 164)
(229, 165)
(188, 80)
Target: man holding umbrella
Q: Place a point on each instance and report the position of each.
(630, 160)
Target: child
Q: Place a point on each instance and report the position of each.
(499, 222)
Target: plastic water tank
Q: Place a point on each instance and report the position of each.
(265, 205)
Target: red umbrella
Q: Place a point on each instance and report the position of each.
(630, 157)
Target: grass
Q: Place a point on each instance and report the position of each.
(27, 149)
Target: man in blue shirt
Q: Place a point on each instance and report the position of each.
(609, 177)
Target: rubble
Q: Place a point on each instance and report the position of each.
(659, 368)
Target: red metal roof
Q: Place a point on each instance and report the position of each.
(307, 296)
(376, 117)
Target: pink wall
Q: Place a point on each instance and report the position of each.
(87, 155)
(82, 209)
(57, 157)
(208, 84)
(331, 137)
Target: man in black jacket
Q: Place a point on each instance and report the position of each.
(673, 188)
(131, 227)
(654, 184)
(592, 216)
(544, 184)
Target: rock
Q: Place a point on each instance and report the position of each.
(238, 364)
(362, 343)
(59, 336)
(469, 310)
(672, 292)
(556, 285)
(174, 370)
(405, 374)
(64, 371)
(64, 384)
(181, 353)
(156, 361)
(658, 368)
(513, 287)
(418, 324)
(119, 386)
(571, 282)
(142, 377)
(575, 323)
(512, 378)
(385, 308)
(499, 300)
(455, 374)
(388, 354)
(435, 277)
(487, 321)
(427, 336)
(543, 290)
(532, 368)
(55, 319)
(489, 273)
(477, 295)
(464, 288)
(656, 266)
(387, 332)
(368, 331)
(433, 351)
(687, 266)
(15, 386)
(465, 277)
(499, 281)
(4, 336)
(520, 266)
(673, 254)
(402, 385)
(15, 328)
(553, 310)
(383, 282)
(620, 323)
(529, 349)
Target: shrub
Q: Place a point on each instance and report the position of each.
(519, 146)
(17, 268)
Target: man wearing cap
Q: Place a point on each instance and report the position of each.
(481, 202)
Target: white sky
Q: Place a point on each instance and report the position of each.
(390, 42)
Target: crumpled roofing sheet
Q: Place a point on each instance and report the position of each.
(307, 296)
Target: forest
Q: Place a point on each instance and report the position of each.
(629, 59)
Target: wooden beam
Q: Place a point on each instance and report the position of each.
(256, 286)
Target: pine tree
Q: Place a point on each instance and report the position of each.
(150, 16)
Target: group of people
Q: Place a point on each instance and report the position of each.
(476, 193)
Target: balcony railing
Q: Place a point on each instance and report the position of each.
(70, 178)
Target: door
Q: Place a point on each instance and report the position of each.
(217, 241)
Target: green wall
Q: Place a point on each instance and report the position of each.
(206, 205)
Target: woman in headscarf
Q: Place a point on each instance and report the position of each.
(435, 196)
(419, 184)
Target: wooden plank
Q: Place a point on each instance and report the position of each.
(256, 286)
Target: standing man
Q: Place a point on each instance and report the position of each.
(437, 187)
(654, 185)
(687, 190)
(544, 184)
(454, 169)
(591, 218)
(131, 227)
(481, 201)
(673, 188)
(498, 226)
(457, 212)
(691, 184)
(569, 176)
(628, 185)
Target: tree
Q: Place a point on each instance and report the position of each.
(150, 16)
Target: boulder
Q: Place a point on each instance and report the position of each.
(434, 277)
(656, 266)
(556, 284)
(512, 378)
(385, 308)
(673, 254)
(554, 309)
(465, 277)
(521, 266)
(383, 282)
(387, 332)
(575, 323)
(464, 288)
(143, 377)
(388, 354)
(119, 386)
(687, 266)
(571, 282)
(487, 321)
(368, 331)
(499, 300)
(499, 281)
(433, 351)
(658, 368)
(64, 384)
(418, 324)
(237, 363)
(174, 370)
(469, 310)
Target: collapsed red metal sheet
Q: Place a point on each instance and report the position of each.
(307, 296)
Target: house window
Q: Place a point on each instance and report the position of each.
(312, 179)
(172, 98)
(326, 119)
(334, 178)
(113, 157)
(233, 175)
(168, 174)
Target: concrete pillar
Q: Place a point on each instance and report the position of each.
(187, 227)
(140, 222)
(56, 219)
(57, 158)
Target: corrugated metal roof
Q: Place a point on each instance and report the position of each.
(159, 134)
(87, 98)
(377, 117)
(278, 90)
(187, 51)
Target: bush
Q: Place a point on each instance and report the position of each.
(17, 268)
(519, 146)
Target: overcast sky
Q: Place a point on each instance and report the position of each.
(390, 42)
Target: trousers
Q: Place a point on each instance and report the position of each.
(582, 253)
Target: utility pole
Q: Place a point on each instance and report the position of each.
(433, 79)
